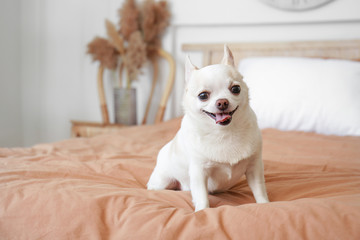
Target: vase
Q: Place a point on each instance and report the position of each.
(125, 106)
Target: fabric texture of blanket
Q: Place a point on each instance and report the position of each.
(95, 188)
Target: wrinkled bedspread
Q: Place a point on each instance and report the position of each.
(95, 188)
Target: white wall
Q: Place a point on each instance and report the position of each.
(58, 80)
(10, 86)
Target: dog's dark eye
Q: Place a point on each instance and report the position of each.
(204, 96)
(235, 89)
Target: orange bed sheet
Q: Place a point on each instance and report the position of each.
(95, 188)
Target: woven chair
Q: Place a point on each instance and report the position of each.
(88, 129)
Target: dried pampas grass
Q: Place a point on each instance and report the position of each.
(104, 52)
(137, 39)
(155, 18)
(129, 15)
(135, 55)
(114, 36)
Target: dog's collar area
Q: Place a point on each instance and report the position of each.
(222, 118)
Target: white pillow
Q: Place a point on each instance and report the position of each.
(304, 94)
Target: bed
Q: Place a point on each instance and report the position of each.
(95, 188)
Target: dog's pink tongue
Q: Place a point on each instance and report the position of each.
(222, 117)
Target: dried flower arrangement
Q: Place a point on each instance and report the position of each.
(136, 41)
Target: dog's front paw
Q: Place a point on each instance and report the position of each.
(151, 188)
(154, 187)
(201, 206)
(262, 200)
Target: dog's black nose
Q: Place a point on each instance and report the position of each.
(222, 104)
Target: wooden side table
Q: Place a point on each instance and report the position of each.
(90, 129)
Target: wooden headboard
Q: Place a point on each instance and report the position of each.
(345, 49)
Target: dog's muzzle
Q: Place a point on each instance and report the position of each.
(222, 118)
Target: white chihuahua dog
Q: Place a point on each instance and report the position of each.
(219, 140)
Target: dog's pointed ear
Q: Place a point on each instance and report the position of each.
(228, 58)
(189, 68)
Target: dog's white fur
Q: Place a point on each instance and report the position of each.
(205, 156)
